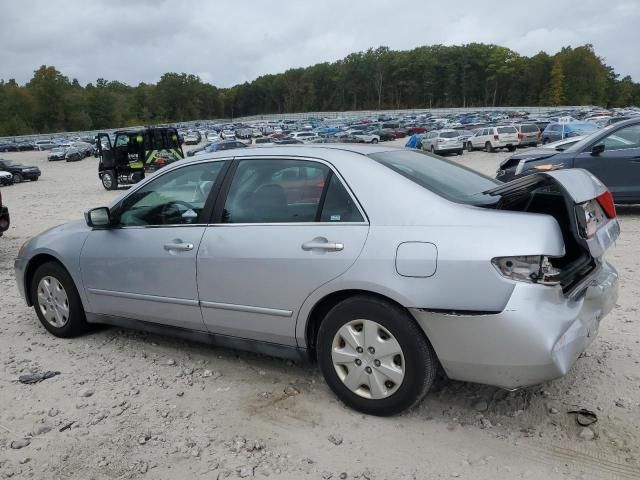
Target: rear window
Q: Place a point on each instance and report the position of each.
(443, 177)
(449, 134)
(528, 128)
(507, 130)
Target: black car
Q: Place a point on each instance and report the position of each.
(611, 154)
(20, 172)
(5, 220)
(74, 154)
(8, 147)
(385, 136)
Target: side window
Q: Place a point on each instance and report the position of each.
(275, 191)
(122, 140)
(175, 198)
(338, 204)
(627, 137)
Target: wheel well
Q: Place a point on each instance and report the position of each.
(33, 265)
(320, 310)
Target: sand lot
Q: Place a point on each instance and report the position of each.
(134, 405)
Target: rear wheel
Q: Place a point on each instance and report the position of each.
(109, 180)
(375, 140)
(459, 152)
(56, 301)
(511, 148)
(469, 147)
(18, 178)
(545, 141)
(374, 356)
(433, 150)
(488, 148)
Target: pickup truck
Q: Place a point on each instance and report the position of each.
(5, 221)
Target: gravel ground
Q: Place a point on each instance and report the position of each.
(133, 405)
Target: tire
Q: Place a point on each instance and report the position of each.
(18, 178)
(51, 283)
(469, 147)
(414, 367)
(488, 148)
(545, 141)
(511, 148)
(109, 180)
(433, 150)
(375, 140)
(459, 152)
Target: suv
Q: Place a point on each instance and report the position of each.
(528, 134)
(5, 221)
(491, 138)
(304, 136)
(443, 141)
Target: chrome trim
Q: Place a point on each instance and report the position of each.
(247, 308)
(288, 224)
(141, 296)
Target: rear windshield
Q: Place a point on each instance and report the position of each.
(507, 130)
(443, 177)
(449, 134)
(528, 128)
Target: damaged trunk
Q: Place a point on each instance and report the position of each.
(584, 210)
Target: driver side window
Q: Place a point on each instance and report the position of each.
(176, 198)
(627, 137)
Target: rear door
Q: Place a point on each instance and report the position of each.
(284, 228)
(618, 166)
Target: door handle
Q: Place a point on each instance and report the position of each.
(322, 244)
(181, 247)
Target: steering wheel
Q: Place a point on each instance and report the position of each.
(171, 213)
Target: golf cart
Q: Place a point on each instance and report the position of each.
(134, 152)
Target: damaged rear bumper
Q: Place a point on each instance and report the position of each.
(537, 337)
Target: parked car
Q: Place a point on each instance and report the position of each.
(558, 131)
(57, 153)
(502, 284)
(20, 172)
(362, 135)
(192, 138)
(383, 135)
(222, 145)
(44, 145)
(303, 136)
(6, 178)
(228, 134)
(212, 136)
(528, 134)
(5, 219)
(492, 138)
(263, 140)
(442, 141)
(8, 147)
(74, 154)
(287, 141)
(611, 154)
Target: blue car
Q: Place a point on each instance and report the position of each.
(559, 131)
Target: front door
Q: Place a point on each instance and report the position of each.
(287, 227)
(105, 151)
(144, 266)
(618, 166)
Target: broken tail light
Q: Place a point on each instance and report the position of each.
(527, 268)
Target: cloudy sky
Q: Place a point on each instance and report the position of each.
(235, 41)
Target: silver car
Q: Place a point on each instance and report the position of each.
(443, 141)
(382, 277)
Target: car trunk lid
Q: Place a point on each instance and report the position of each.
(581, 204)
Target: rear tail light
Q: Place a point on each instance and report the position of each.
(529, 268)
(496, 137)
(606, 202)
(520, 136)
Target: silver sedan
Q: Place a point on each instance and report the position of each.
(383, 264)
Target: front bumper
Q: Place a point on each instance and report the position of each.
(537, 337)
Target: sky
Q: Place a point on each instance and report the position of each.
(231, 42)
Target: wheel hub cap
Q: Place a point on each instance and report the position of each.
(368, 359)
(53, 301)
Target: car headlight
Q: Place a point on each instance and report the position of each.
(528, 268)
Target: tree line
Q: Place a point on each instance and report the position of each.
(472, 75)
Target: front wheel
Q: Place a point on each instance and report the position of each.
(374, 356)
(56, 301)
(511, 148)
(18, 178)
(109, 180)
(375, 140)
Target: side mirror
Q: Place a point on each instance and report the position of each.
(98, 217)
(597, 149)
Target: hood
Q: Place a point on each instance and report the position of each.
(531, 154)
